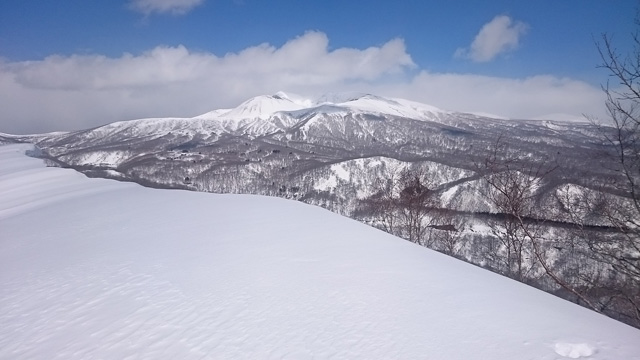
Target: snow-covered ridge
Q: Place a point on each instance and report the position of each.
(265, 106)
(262, 115)
(394, 107)
(265, 114)
(103, 269)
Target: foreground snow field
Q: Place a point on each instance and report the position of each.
(93, 268)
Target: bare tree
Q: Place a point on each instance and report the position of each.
(381, 205)
(510, 188)
(414, 202)
(447, 231)
(591, 248)
(400, 204)
(513, 180)
(621, 251)
(623, 106)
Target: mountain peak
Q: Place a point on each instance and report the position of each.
(295, 98)
(280, 95)
(262, 107)
(260, 110)
(265, 106)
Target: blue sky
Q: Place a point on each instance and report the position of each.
(73, 64)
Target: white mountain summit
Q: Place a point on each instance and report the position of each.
(265, 107)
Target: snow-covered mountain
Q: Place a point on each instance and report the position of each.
(265, 114)
(94, 268)
(265, 106)
(275, 143)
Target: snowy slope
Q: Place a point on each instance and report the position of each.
(268, 113)
(93, 268)
(394, 107)
(265, 106)
(157, 127)
(261, 107)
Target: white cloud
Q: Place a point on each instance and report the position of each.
(176, 7)
(82, 91)
(303, 60)
(499, 35)
(533, 97)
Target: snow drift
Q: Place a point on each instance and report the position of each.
(94, 268)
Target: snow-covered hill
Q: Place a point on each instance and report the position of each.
(93, 268)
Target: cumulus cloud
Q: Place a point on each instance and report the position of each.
(535, 97)
(303, 60)
(82, 91)
(500, 35)
(176, 7)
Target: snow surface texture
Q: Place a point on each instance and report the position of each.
(93, 268)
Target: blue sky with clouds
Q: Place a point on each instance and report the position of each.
(73, 64)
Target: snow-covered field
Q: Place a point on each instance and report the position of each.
(94, 268)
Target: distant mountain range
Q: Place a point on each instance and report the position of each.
(322, 151)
